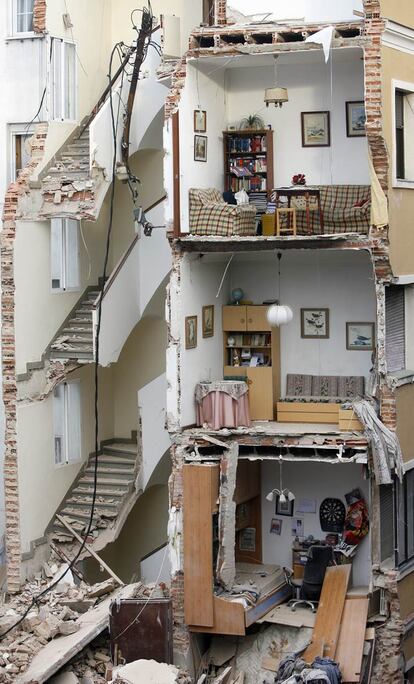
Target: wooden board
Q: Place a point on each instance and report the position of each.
(306, 412)
(350, 646)
(198, 483)
(348, 420)
(228, 619)
(247, 481)
(260, 382)
(329, 613)
(257, 319)
(234, 318)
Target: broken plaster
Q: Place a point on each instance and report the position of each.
(226, 567)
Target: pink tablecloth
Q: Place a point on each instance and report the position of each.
(219, 409)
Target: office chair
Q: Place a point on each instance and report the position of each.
(308, 589)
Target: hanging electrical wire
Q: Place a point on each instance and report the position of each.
(114, 125)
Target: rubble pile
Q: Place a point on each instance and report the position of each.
(54, 615)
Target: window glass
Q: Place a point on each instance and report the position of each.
(67, 422)
(23, 20)
(64, 254)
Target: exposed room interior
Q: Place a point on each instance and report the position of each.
(249, 544)
(302, 371)
(221, 149)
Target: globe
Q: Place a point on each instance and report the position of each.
(237, 295)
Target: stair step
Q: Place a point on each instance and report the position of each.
(76, 354)
(103, 490)
(80, 319)
(86, 514)
(89, 479)
(65, 174)
(75, 153)
(110, 471)
(120, 447)
(112, 458)
(86, 500)
(72, 338)
(77, 330)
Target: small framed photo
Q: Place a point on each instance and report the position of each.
(276, 526)
(284, 507)
(360, 336)
(247, 539)
(355, 119)
(298, 527)
(200, 121)
(316, 129)
(200, 148)
(208, 320)
(314, 323)
(190, 332)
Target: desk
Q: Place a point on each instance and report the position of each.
(307, 193)
(223, 403)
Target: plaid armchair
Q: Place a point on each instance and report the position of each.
(346, 209)
(211, 215)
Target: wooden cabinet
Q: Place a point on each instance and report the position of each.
(248, 160)
(245, 318)
(249, 334)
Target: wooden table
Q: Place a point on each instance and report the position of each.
(307, 193)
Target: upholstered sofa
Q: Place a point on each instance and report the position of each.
(345, 208)
(321, 399)
(211, 215)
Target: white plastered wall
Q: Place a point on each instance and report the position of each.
(310, 10)
(200, 282)
(39, 312)
(42, 485)
(204, 90)
(311, 481)
(341, 281)
(309, 86)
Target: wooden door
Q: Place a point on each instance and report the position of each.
(234, 318)
(260, 382)
(256, 319)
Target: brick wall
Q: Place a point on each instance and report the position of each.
(39, 16)
(11, 482)
(220, 11)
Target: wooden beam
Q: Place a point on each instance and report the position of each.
(90, 550)
(350, 647)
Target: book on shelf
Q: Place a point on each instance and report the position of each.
(252, 143)
(253, 184)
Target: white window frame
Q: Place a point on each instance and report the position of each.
(60, 265)
(64, 98)
(67, 427)
(408, 88)
(13, 21)
(14, 131)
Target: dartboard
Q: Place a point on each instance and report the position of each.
(332, 515)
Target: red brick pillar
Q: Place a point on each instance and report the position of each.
(220, 12)
(388, 408)
(39, 16)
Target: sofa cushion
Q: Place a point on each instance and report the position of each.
(325, 385)
(298, 385)
(351, 386)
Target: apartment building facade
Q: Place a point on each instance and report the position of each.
(57, 210)
(329, 371)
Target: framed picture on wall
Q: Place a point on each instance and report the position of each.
(360, 336)
(355, 119)
(316, 129)
(314, 323)
(284, 507)
(200, 148)
(276, 526)
(190, 332)
(200, 121)
(208, 320)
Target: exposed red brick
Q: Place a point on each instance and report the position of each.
(39, 16)
(16, 190)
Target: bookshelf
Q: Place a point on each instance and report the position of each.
(248, 160)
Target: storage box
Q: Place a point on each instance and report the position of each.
(268, 224)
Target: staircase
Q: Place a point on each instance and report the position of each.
(74, 339)
(115, 495)
(71, 163)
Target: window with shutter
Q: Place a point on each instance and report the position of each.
(386, 521)
(395, 327)
(403, 161)
(405, 518)
(63, 71)
(67, 422)
(64, 255)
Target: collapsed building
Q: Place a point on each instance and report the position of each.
(286, 353)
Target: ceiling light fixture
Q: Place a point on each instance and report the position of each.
(283, 494)
(279, 314)
(276, 95)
